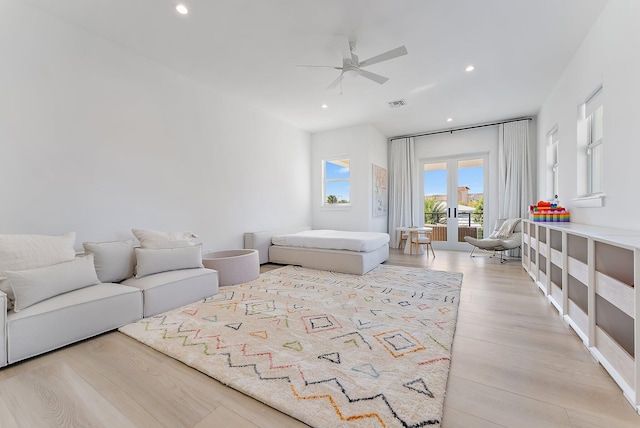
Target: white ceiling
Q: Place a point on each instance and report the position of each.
(250, 49)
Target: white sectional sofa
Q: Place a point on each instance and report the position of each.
(51, 297)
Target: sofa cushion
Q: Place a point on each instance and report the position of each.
(114, 261)
(152, 260)
(70, 317)
(157, 239)
(169, 290)
(35, 285)
(21, 252)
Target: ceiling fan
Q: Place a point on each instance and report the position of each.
(352, 66)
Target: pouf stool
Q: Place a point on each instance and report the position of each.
(233, 266)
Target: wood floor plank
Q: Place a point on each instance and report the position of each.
(566, 389)
(502, 407)
(56, 396)
(586, 374)
(140, 416)
(583, 420)
(454, 418)
(223, 417)
(160, 387)
(558, 345)
(214, 395)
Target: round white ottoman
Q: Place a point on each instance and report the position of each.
(233, 266)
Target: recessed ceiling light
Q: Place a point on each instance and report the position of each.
(449, 119)
(469, 68)
(182, 9)
(324, 106)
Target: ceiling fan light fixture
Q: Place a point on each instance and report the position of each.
(350, 72)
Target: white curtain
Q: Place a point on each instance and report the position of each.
(402, 187)
(515, 185)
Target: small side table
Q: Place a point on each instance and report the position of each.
(233, 266)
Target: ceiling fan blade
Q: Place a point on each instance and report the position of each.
(372, 76)
(345, 46)
(318, 66)
(393, 53)
(335, 82)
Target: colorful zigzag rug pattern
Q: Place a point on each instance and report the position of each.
(329, 349)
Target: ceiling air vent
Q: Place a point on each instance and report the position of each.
(397, 103)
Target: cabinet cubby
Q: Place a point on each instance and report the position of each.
(556, 277)
(578, 306)
(589, 274)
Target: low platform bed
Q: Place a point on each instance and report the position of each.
(332, 259)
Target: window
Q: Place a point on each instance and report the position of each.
(594, 151)
(590, 150)
(337, 176)
(552, 163)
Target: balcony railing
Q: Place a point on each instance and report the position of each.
(469, 224)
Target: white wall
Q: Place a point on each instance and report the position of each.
(607, 56)
(364, 146)
(96, 139)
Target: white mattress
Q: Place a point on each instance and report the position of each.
(333, 240)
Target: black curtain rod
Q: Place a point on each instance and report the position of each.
(451, 131)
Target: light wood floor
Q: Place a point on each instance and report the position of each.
(515, 364)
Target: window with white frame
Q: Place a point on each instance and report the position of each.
(590, 147)
(337, 182)
(552, 163)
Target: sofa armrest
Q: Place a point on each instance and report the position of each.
(3, 329)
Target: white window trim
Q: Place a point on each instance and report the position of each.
(554, 150)
(591, 200)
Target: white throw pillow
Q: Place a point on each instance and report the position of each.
(152, 260)
(507, 228)
(114, 261)
(21, 252)
(158, 244)
(156, 239)
(35, 285)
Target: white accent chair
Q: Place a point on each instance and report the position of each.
(499, 241)
(420, 237)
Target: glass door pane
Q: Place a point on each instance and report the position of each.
(470, 199)
(435, 199)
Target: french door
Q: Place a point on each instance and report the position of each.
(454, 192)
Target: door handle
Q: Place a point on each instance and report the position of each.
(449, 212)
(455, 212)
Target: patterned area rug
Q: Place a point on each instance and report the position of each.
(329, 349)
